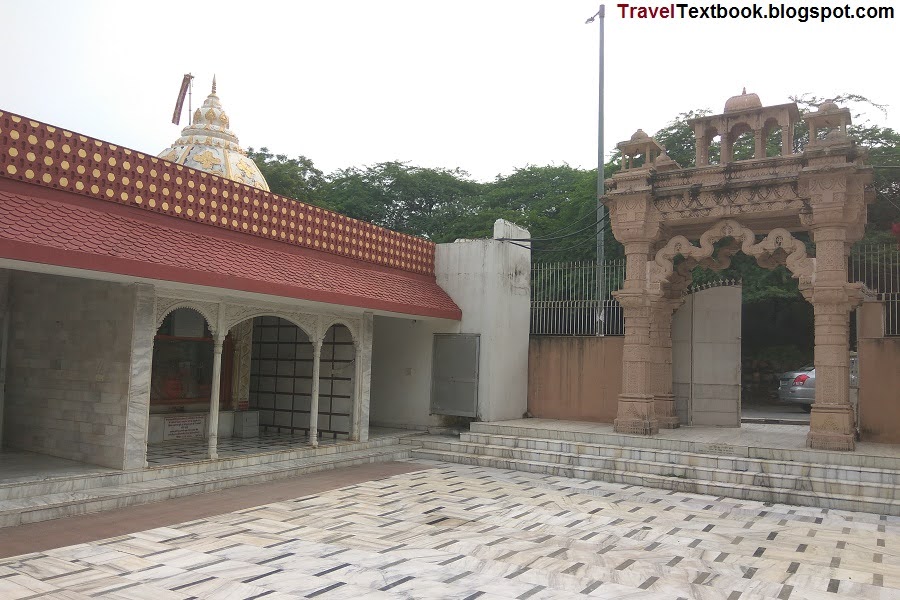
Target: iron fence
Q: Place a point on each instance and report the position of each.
(567, 300)
(878, 267)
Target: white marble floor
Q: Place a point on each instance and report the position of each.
(467, 532)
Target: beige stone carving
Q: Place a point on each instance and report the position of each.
(671, 219)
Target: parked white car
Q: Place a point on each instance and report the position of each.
(799, 387)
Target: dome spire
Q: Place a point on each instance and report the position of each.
(214, 85)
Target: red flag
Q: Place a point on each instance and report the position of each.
(182, 93)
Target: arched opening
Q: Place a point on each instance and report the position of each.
(773, 138)
(182, 367)
(280, 376)
(337, 383)
(714, 147)
(743, 142)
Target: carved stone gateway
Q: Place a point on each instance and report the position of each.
(658, 209)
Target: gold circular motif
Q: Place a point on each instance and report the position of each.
(79, 186)
(244, 226)
(112, 161)
(29, 174)
(255, 228)
(166, 177)
(202, 201)
(201, 214)
(234, 223)
(139, 184)
(50, 145)
(177, 210)
(165, 191)
(80, 169)
(190, 212)
(152, 172)
(152, 187)
(63, 181)
(124, 195)
(191, 184)
(95, 189)
(138, 200)
(202, 187)
(32, 139)
(165, 206)
(125, 181)
(64, 164)
(13, 152)
(140, 169)
(97, 157)
(109, 193)
(30, 156)
(179, 180)
(46, 178)
(110, 177)
(11, 169)
(214, 190)
(14, 134)
(15, 119)
(96, 172)
(178, 194)
(126, 165)
(81, 153)
(213, 204)
(151, 202)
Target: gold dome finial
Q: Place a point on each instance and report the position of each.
(214, 85)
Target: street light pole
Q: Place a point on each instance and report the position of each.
(601, 209)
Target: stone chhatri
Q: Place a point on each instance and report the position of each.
(209, 145)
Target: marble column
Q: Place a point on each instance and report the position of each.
(661, 343)
(636, 413)
(137, 417)
(213, 435)
(359, 428)
(832, 421)
(314, 398)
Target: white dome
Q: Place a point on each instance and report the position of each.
(207, 144)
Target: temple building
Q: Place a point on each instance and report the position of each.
(146, 300)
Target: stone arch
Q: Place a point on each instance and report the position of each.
(235, 317)
(778, 247)
(207, 310)
(330, 322)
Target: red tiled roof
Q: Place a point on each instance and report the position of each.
(60, 228)
(54, 158)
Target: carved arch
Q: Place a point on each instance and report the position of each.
(235, 315)
(328, 322)
(778, 247)
(208, 310)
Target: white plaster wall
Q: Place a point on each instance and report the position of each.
(490, 281)
(401, 371)
(69, 367)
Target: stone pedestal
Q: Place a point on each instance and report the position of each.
(664, 405)
(636, 415)
(831, 426)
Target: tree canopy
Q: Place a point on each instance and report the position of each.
(556, 203)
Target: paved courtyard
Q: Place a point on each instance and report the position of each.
(466, 532)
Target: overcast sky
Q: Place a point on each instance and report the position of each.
(484, 85)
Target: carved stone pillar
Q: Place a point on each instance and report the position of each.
(636, 412)
(661, 347)
(832, 423)
(243, 351)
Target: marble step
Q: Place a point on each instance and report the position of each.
(74, 483)
(641, 466)
(659, 442)
(94, 499)
(753, 466)
(665, 481)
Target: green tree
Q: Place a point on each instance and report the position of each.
(296, 178)
(403, 197)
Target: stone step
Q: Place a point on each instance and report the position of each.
(639, 466)
(106, 497)
(699, 486)
(75, 483)
(660, 442)
(751, 466)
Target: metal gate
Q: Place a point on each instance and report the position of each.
(706, 357)
(454, 374)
